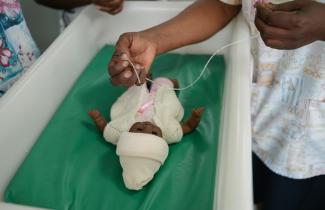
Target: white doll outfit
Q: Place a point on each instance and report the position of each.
(166, 111)
(141, 155)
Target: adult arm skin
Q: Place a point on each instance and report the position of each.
(196, 23)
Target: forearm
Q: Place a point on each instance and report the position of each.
(64, 4)
(198, 22)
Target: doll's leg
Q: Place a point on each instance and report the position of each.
(98, 119)
(194, 120)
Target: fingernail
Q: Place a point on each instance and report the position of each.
(125, 64)
(124, 56)
(139, 66)
(127, 74)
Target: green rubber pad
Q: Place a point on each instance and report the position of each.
(72, 167)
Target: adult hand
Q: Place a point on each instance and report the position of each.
(111, 6)
(138, 48)
(291, 25)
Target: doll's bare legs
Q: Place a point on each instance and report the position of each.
(98, 119)
(194, 120)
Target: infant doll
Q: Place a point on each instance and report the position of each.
(142, 125)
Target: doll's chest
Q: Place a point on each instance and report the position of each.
(146, 111)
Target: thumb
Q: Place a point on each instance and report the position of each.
(289, 6)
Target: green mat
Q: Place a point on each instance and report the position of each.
(72, 167)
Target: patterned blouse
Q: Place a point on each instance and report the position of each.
(288, 104)
(17, 49)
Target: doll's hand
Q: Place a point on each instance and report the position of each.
(194, 121)
(291, 25)
(111, 6)
(98, 119)
(137, 48)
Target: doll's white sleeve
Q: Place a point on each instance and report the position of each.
(232, 2)
(169, 113)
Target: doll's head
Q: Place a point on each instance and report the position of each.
(146, 127)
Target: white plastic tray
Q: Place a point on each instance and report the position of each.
(31, 102)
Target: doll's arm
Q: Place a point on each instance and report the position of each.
(193, 121)
(98, 119)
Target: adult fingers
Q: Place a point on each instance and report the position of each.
(116, 67)
(123, 44)
(123, 77)
(289, 6)
(283, 44)
(112, 10)
(270, 31)
(119, 60)
(118, 10)
(139, 77)
(142, 77)
(109, 4)
(279, 19)
(131, 81)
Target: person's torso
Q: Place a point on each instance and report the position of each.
(288, 105)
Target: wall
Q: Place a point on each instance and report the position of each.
(42, 22)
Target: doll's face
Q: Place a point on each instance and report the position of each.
(146, 127)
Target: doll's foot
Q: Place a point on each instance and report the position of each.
(98, 119)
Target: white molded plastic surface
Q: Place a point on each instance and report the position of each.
(30, 103)
(234, 167)
(7, 206)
